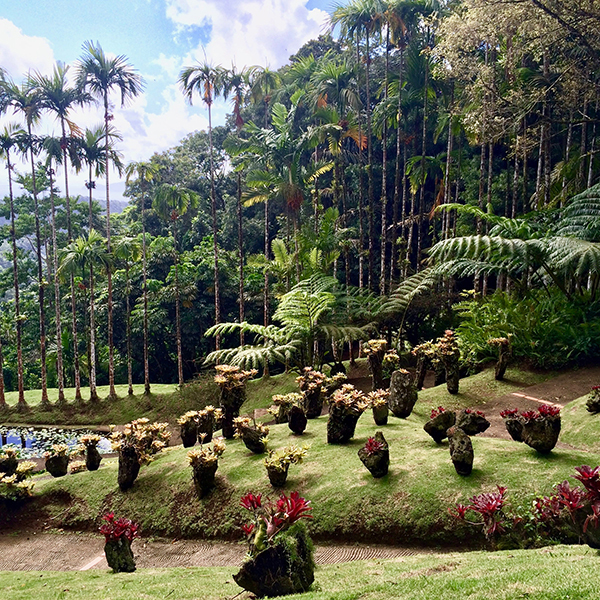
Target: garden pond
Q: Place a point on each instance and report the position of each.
(32, 442)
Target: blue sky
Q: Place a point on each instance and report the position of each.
(158, 37)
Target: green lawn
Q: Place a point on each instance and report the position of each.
(556, 573)
(409, 504)
(580, 428)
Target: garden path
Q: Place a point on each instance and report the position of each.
(81, 552)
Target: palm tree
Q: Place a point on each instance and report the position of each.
(171, 202)
(127, 250)
(145, 172)
(236, 83)
(26, 99)
(84, 256)
(9, 138)
(99, 74)
(208, 82)
(54, 155)
(355, 18)
(91, 151)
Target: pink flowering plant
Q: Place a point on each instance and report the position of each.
(484, 510)
(115, 529)
(271, 517)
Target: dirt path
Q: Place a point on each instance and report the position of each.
(559, 390)
(81, 552)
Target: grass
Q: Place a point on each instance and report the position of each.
(409, 504)
(543, 574)
(580, 427)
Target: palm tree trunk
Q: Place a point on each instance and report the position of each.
(384, 233)
(361, 189)
(2, 398)
(93, 389)
(128, 310)
(112, 392)
(77, 376)
(370, 187)
(45, 403)
(177, 311)
(213, 209)
(145, 294)
(21, 404)
(60, 375)
(240, 255)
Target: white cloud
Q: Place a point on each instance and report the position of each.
(248, 32)
(20, 53)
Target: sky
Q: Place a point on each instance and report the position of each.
(159, 38)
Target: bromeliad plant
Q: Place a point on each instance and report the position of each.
(391, 363)
(15, 487)
(575, 506)
(88, 446)
(310, 383)
(278, 462)
(205, 462)
(378, 401)
(449, 353)
(232, 383)
(490, 508)
(271, 518)
(375, 351)
(539, 429)
(57, 460)
(254, 435)
(137, 444)
(283, 403)
(345, 408)
(118, 535)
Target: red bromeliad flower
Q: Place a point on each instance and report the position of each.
(248, 528)
(459, 512)
(372, 446)
(546, 410)
(590, 478)
(115, 529)
(509, 412)
(294, 508)
(568, 497)
(529, 415)
(250, 501)
(437, 411)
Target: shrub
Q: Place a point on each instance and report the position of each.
(115, 529)
(205, 455)
(15, 487)
(489, 506)
(146, 438)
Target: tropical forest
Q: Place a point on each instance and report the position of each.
(382, 271)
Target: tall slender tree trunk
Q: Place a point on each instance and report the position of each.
(592, 152)
(361, 189)
(77, 376)
(447, 185)
(145, 294)
(397, 176)
(112, 392)
(21, 404)
(563, 195)
(240, 255)
(93, 383)
(215, 227)
(45, 403)
(177, 311)
(2, 397)
(384, 232)
(422, 188)
(370, 185)
(583, 145)
(60, 374)
(128, 309)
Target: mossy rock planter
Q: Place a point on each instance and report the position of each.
(283, 414)
(313, 404)
(278, 475)
(340, 425)
(403, 394)
(439, 425)
(591, 536)
(515, 428)
(205, 428)
(297, 420)
(461, 450)
(542, 434)
(57, 466)
(593, 403)
(189, 434)
(8, 465)
(204, 478)
(254, 440)
(92, 458)
(286, 567)
(119, 555)
(381, 414)
(471, 423)
(231, 402)
(377, 462)
(129, 468)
